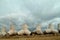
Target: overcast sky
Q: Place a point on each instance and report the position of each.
(44, 11)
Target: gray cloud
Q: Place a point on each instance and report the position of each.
(30, 11)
